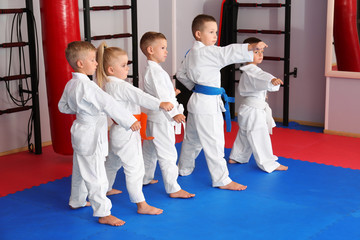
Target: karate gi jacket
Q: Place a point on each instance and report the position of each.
(202, 66)
(157, 83)
(254, 82)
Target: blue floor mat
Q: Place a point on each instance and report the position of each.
(309, 201)
(298, 126)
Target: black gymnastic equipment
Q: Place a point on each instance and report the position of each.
(133, 34)
(34, 121)
(229, 33)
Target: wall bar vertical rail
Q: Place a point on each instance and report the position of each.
(34, 77)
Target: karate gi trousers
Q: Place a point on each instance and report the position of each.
(89, 180)
(161, 148)
(205, 131)
(126, 153)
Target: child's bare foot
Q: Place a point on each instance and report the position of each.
(234, 186)
(181, 194)
(113, 192)
(232, 161)
(111, 220)
(144, 208)
(152, 182)
(88, 204)
(281, 168)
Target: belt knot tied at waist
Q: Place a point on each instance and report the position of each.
(142, 117)
(207, 90)
(259, 104)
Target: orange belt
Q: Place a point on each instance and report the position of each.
(142, 118)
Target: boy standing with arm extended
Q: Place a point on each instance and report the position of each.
(254, 115)
(91, 105)
(200, 72)
(160, 124)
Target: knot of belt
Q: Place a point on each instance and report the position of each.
(142, 118)
(207, 90)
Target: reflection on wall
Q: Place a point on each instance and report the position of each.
(346, 36)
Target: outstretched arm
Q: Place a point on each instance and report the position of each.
(257, 46)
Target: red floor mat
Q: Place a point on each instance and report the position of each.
(317, 147)
(24, 170)
(328, 149)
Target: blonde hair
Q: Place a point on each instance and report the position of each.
(75, 51)
(199, 22)
(105, 57)
(149, 38)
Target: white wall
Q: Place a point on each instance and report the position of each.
(307, 92)
(343, 115)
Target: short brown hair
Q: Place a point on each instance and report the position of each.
(199, 21)
(74, 51)
(149, 38)
(252, 40)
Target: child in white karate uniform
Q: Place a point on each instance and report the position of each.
(254, 115)
(125, 146)
(160, 124)
(91, 105)
(205, 123)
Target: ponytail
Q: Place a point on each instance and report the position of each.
(100, 70)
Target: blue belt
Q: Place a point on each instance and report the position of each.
(218, 91)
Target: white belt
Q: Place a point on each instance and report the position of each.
(260, 104)
(178, 125)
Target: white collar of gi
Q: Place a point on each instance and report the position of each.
(81, 76)
(112, 78)
(199, 44)
(150, 62)
(248, 66)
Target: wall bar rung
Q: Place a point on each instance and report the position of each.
(270, 58)
(13, 44)
(260, 31)
(15, 77)
(12, 10)
(105, 8)
(17, 109)
(121, 35)
(268, 5)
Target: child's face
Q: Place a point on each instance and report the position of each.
(158, 50)
(258, 56)
(87, 65)
(208, 35)
(120, 68)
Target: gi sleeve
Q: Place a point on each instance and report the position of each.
(233, 53)
(183, 78)
(139, 97)
(63, 104)
(102, 101)
(260, 80)
(161, 91)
